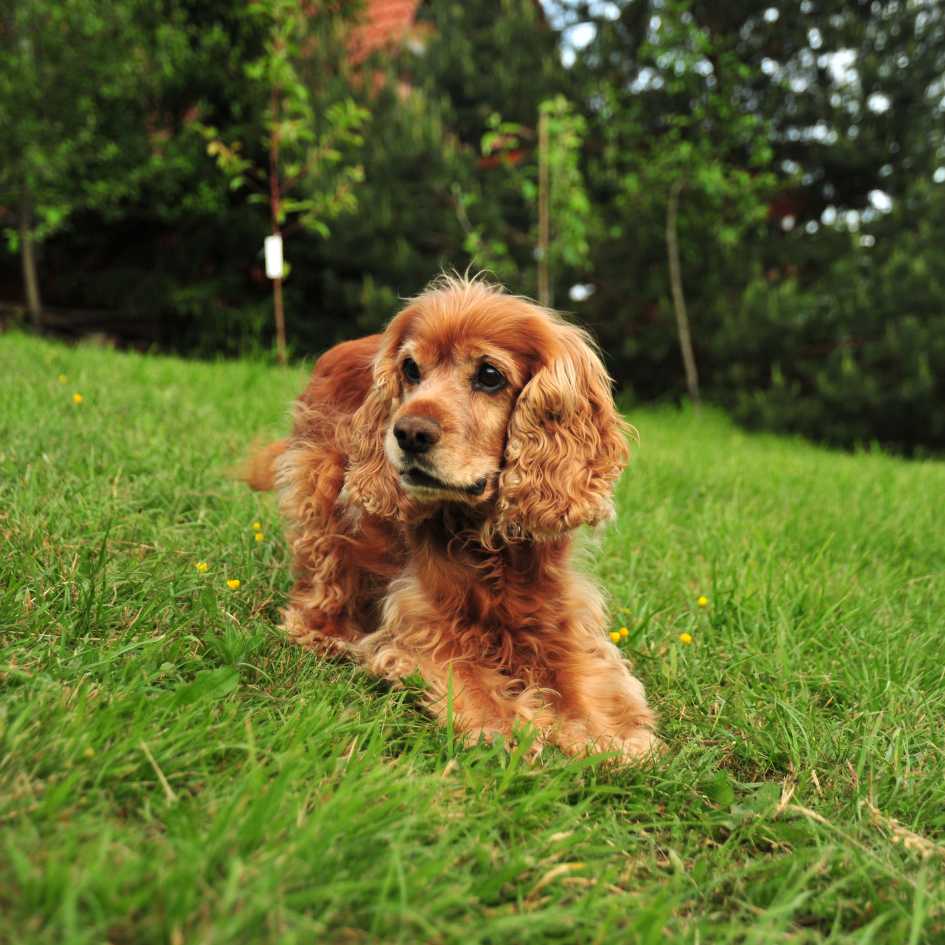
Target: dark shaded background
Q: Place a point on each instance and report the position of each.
(819, 309)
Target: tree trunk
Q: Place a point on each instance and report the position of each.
(544, 221)
(280, 320)
(679, 301)
(28, 258)
(275, 207)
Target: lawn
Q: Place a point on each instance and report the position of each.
(172, 771)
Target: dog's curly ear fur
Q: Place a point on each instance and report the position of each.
(567, 445)
(371, 480)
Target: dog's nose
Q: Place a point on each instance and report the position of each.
(416, 434)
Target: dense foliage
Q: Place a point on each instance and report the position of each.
(803, 141)
(858, 355)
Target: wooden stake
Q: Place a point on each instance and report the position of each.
(544, 220)
(679, 301)
(280, 320)
(28, 258)
(275, 208)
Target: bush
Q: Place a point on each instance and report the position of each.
(858, 356)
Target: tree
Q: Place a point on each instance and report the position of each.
(306, 177)
(679, 170)
(709, 149)
(552, 184)
(493, 62)
(74, 81)
(406, 229)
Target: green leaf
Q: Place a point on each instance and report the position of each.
(719, 790)
(210, 684)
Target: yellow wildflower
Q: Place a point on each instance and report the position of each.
(685, 638)
(257, 526)
(615, 636)
(233, 584)
(702, 601)
(89, 752)
(202, 567)
(260, 536)
(623, 632)
(77, 398)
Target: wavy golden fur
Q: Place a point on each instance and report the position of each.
(433, 479)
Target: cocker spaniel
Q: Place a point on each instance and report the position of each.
(431, 485)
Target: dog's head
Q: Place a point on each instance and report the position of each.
(487, 399)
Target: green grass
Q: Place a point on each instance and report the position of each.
(172, 771)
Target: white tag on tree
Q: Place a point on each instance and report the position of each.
(273, 247)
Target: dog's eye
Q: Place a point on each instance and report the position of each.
(411, 371)
(489, 379)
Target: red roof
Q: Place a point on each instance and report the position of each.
(383, 23)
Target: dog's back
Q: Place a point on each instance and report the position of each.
(339, 383)
(341, 377)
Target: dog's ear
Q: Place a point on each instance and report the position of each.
(566, 444)
(371, 481)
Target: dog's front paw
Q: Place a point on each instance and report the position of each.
(632, 745)
(638, 746)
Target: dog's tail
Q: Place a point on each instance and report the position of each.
(259, 469)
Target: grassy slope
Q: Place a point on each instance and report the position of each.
(170, 770)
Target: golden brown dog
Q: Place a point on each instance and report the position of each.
(431, 484)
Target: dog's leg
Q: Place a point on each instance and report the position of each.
(600, 705)
(479, 702)
(474, 696)
(320, 614)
